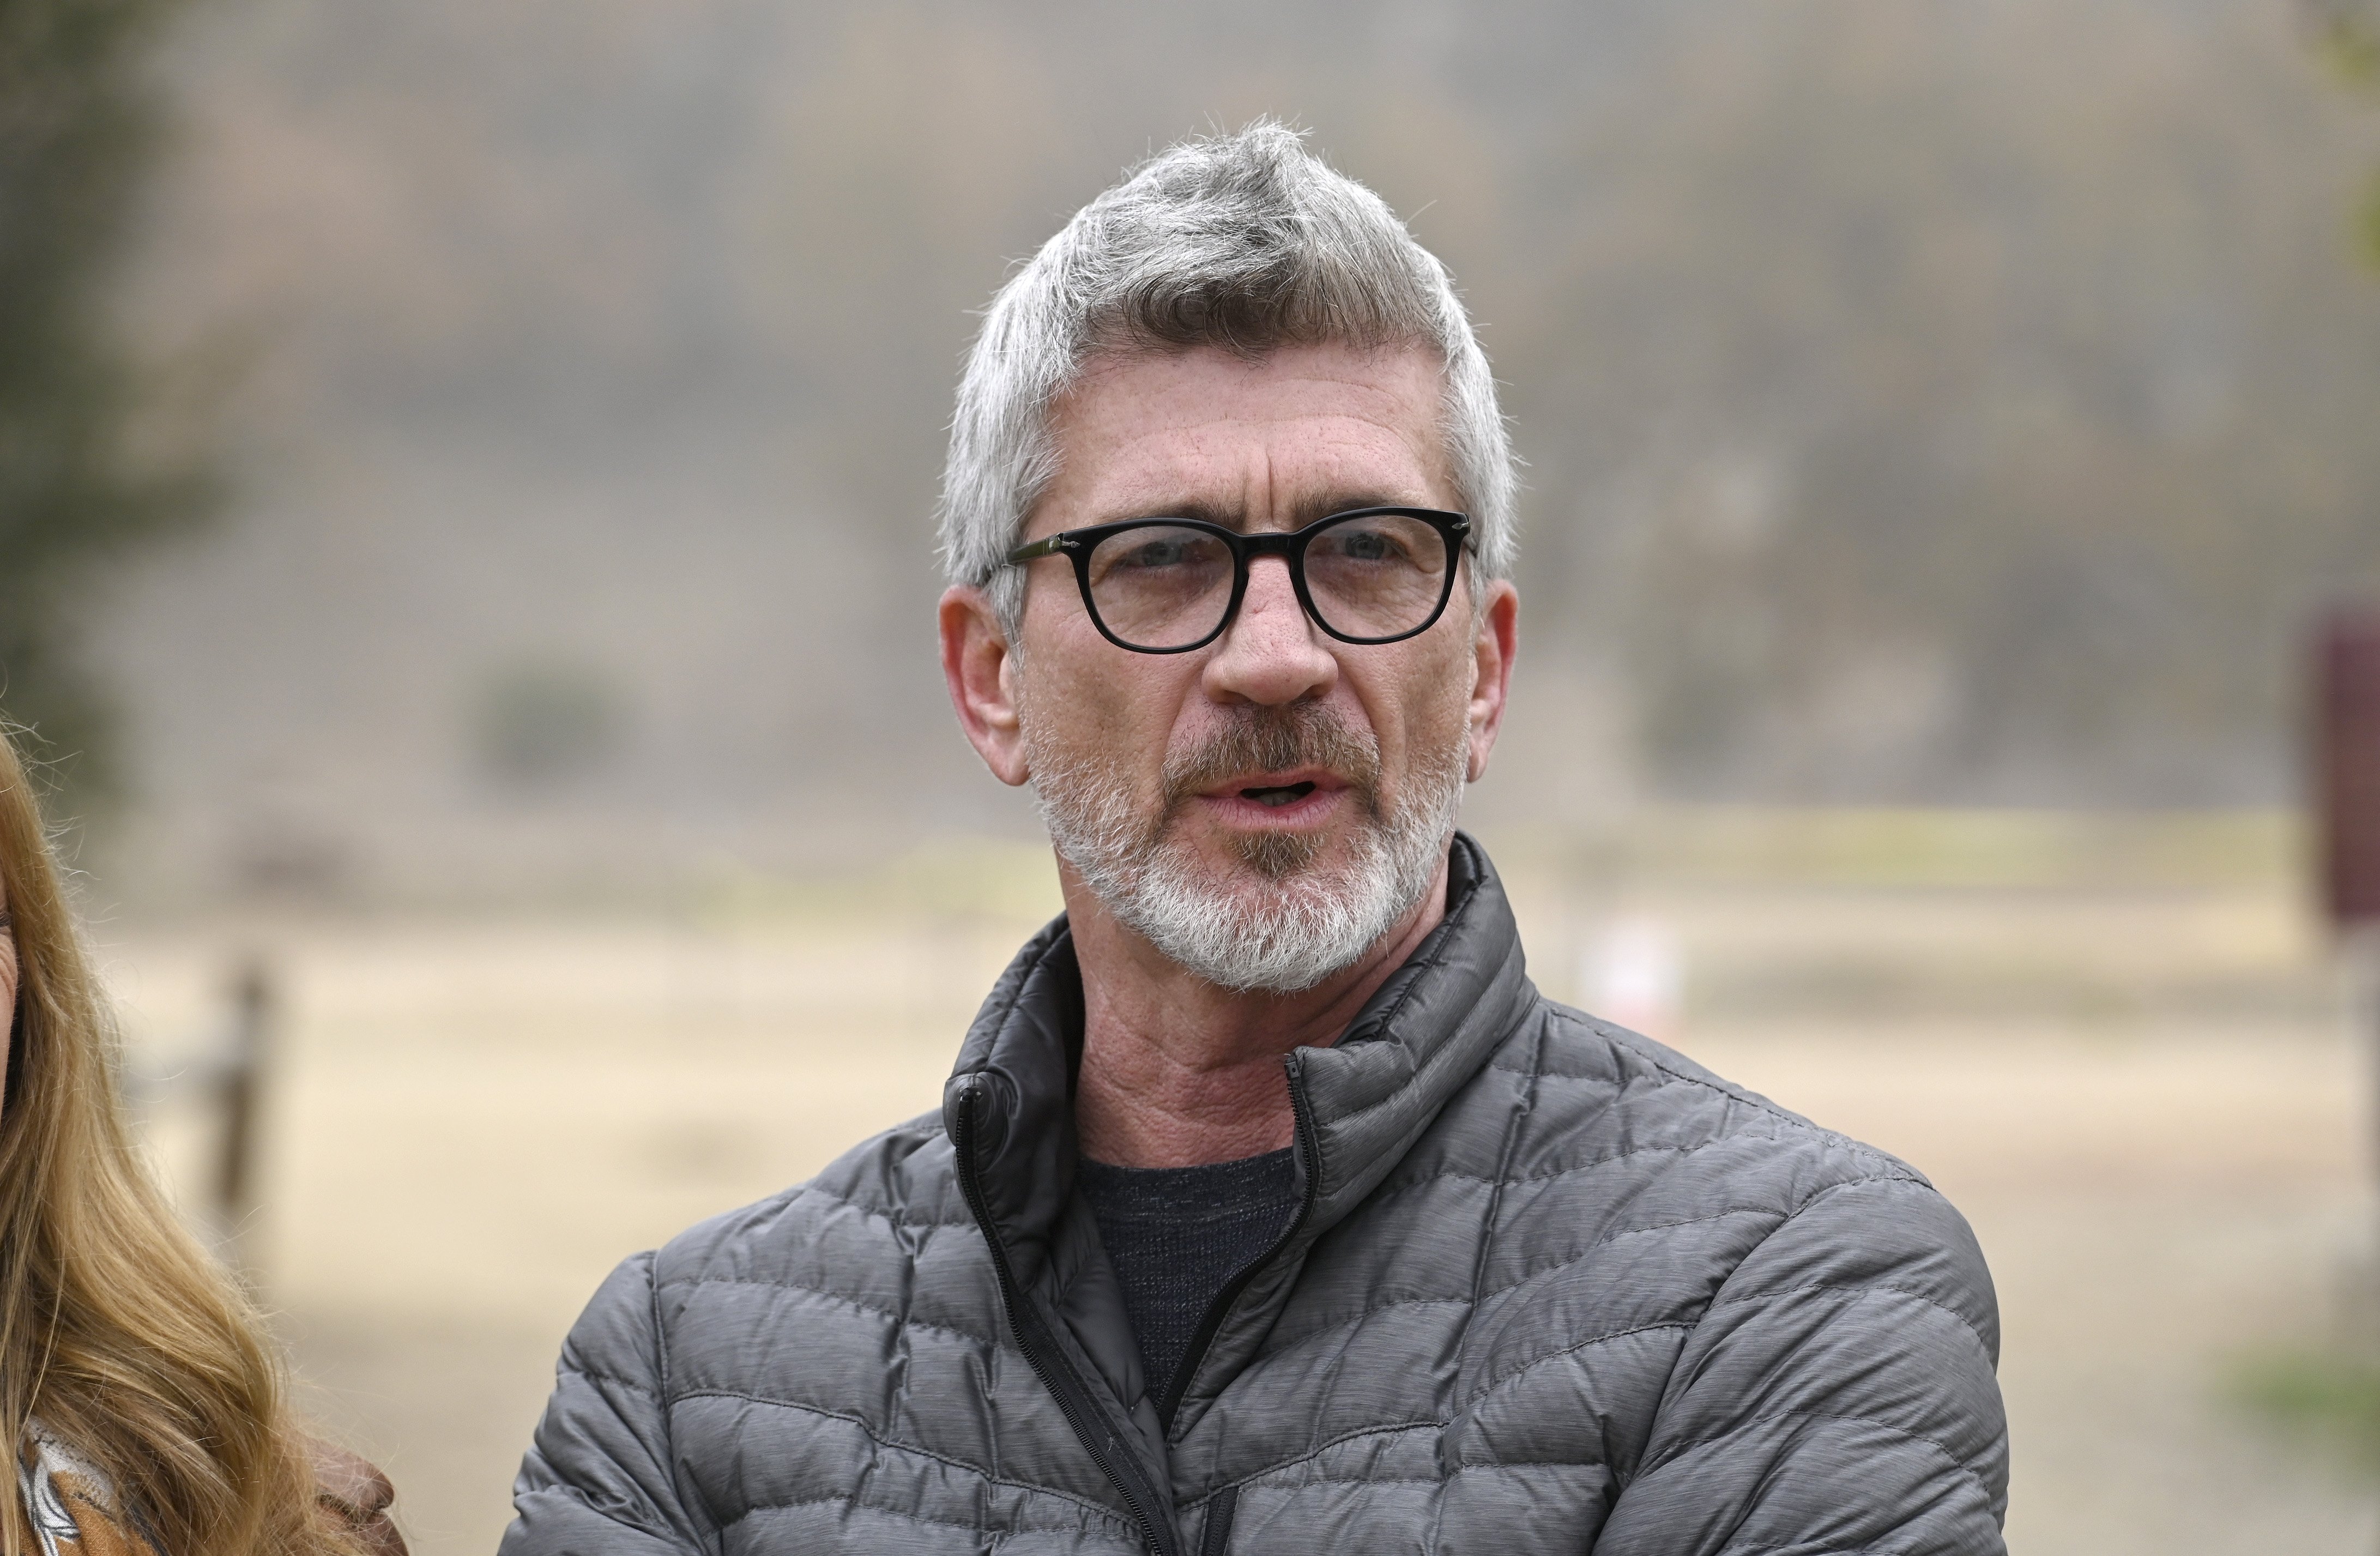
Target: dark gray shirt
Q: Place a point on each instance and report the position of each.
(1177, 1236)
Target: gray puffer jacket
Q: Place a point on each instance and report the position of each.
(1552, 1288)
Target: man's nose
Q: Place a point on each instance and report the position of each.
(1271, 655)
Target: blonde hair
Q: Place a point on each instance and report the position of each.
(117, 1333)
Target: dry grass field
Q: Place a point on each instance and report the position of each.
(2119, 1047)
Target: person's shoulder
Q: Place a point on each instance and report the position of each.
(1625, 1141)
(1600, 1087)
(881, 1199)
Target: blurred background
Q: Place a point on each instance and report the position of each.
(466, 478)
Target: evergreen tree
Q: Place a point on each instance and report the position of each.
(79, 126)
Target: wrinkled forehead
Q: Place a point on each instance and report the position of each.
(1297, 428)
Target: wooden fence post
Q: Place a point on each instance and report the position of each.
(239, 1094)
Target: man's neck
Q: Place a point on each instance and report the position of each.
(1177, 1072)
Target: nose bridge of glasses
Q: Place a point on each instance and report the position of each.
(1268, 542)
(1280, 545)
(1283, 546)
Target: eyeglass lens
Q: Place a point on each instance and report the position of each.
(1165, 586)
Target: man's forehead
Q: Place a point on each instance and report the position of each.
(1295, 426)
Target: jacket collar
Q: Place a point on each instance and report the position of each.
(1425, 1033)
(1367, 1097)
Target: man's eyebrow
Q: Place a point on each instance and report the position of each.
(1229, 519)
(1307, 511)
(1303, 512)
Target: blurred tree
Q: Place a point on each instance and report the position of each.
(1924, 404)
(1951, 412)
(2349, 34)
(81, 474)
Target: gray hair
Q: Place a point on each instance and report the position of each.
(1247, 242)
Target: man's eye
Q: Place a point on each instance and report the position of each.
(1165, 554)
(1369, 546)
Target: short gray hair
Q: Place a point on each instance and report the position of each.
(1246, 241)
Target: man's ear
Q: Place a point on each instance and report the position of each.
(980, 670)
(1497, 640)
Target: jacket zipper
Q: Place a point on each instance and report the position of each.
(1056, 1374)
(1310, 1154)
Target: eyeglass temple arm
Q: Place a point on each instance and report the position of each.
(1050, 547)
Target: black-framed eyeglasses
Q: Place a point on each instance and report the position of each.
(1167, 586)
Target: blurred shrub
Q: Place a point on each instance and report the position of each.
(2349, 35)
(539, 724)
(2331, 1399)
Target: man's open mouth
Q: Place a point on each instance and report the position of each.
(1278, 796)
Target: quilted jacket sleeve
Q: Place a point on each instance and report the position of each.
(1839, 1396)
(597, 1479)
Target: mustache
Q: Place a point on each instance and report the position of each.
(1260, 739)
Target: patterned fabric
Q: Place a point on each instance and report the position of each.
(71, 1505)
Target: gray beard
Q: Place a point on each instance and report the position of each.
(1285, 921)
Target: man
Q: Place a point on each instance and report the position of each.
(1269, 1207)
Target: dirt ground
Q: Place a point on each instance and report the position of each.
(2145, 1097)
